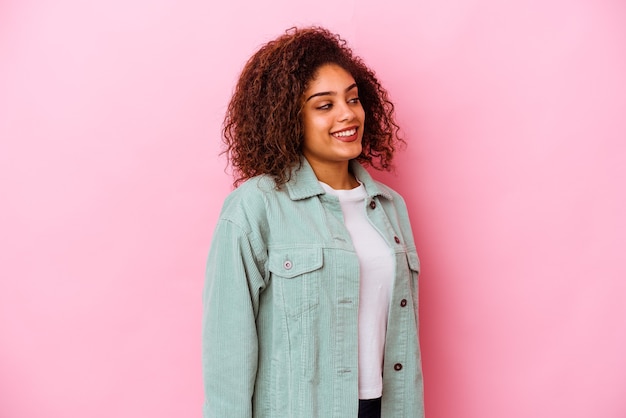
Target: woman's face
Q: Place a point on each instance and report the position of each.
(332, 118)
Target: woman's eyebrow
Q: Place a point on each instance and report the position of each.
(330, 93)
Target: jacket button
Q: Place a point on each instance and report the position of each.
(373, 204)
(403, 303)
(397, 240)
(397, 367)
(287, 265)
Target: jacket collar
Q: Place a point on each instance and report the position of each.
(303, 183)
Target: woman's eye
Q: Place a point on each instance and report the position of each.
(354, 100)
(325, 106)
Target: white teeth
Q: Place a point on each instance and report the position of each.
(349, 132)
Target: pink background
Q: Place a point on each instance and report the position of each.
(110, 185)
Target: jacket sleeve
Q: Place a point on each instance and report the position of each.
(233, 282)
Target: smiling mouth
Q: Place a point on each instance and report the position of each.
(347, 134)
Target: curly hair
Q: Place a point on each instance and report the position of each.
(263, 130)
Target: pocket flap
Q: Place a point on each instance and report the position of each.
(292, 262)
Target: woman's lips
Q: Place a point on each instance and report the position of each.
(346, 135)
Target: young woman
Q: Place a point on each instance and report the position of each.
(310, 301)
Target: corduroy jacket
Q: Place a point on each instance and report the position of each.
(281, 301)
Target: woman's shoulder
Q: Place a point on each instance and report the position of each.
(249, 199)
(258, 185)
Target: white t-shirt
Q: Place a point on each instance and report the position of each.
(377, 269)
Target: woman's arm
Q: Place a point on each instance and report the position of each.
(233, 283)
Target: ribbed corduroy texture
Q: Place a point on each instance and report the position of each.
(281, 305)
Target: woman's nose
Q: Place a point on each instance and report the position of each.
(346, 113)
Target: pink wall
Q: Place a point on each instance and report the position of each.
(110, 184)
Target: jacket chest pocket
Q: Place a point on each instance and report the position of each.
(295, 274)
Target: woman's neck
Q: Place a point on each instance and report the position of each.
(337, 176)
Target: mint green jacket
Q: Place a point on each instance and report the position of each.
(281, 304)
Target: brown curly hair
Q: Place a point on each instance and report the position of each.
(263, 131)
